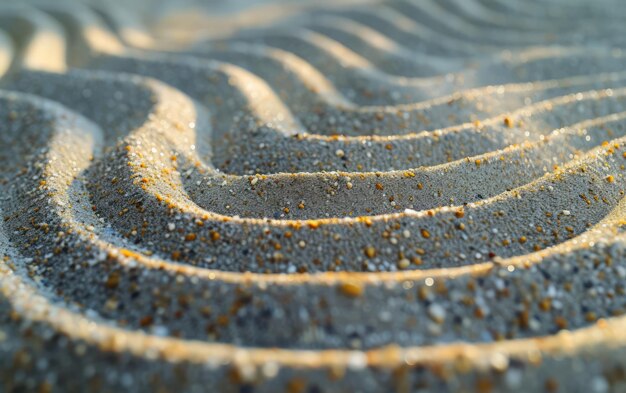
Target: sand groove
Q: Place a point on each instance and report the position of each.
(410, 195)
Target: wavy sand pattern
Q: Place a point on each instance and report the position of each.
(356, 196)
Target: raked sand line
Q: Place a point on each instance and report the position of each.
(403, 197)
(6, 53)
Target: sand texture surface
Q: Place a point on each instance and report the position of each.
(313, 196)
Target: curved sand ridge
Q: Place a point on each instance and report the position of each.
(402, 196)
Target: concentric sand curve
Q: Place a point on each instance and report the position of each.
(370, 196)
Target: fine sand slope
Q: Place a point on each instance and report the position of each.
(306, 197)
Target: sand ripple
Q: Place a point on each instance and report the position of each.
(415, 195)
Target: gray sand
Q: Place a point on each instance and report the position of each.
(401, 196)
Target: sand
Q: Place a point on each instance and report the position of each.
(400, 196)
